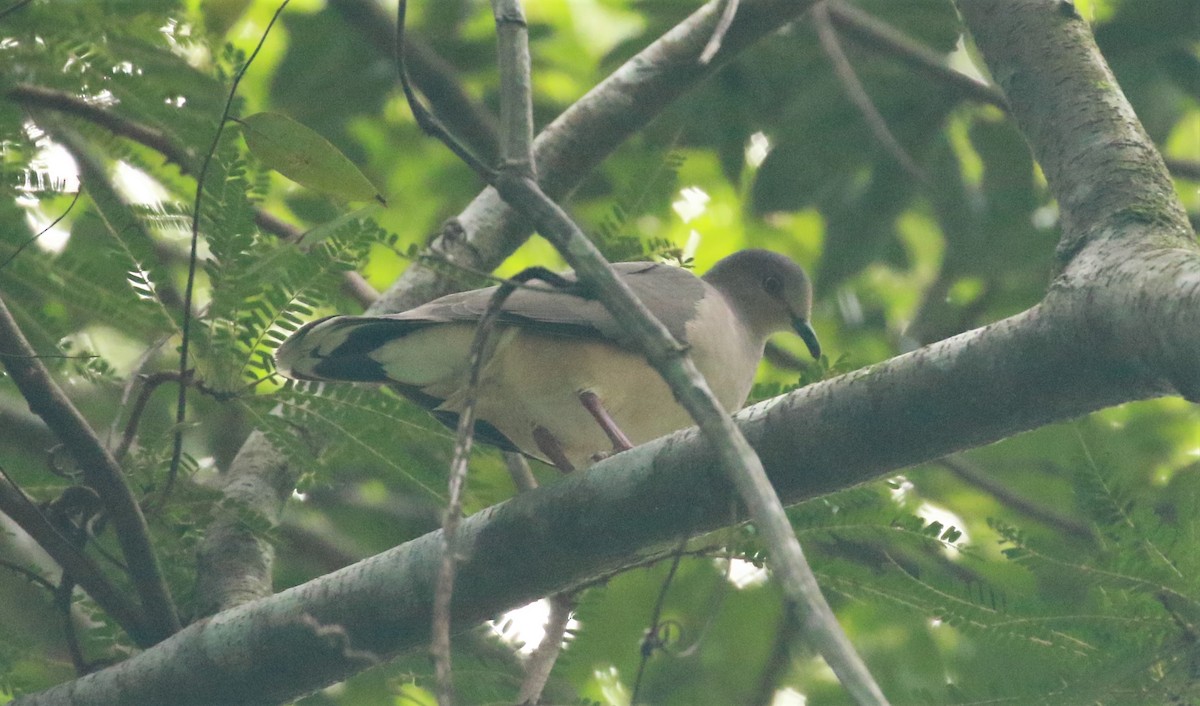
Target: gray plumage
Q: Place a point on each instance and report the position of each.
(549, 346)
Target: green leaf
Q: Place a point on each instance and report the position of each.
(305, 157)
(320, 233)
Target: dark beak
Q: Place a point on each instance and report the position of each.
(809, 336)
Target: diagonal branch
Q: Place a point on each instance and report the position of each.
(79, 566)
(432, 74)
(857, 93)
(1099, 162)
(878, 36)
(969, 390)
(100, 471)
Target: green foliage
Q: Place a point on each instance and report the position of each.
(305, 157)
(955, 593)
(353, 426)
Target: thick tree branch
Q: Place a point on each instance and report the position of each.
(1099, 163)
(233, 562)
(100, 471)
(1127, 252)
(488, 230)
(969, 390)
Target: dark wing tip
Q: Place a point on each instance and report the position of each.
(338, 348)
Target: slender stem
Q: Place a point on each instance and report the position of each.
(40, 233)
(541, 662)
(968, 472)
(437, 78)
(728, 12)
(189, 288)
(652, 640)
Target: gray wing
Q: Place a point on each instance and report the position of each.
(671, 294)
(342, 347)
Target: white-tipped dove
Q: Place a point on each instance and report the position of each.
(562, 383)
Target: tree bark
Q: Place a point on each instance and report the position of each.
(1121, 322)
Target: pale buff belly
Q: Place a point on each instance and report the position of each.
(534, 380)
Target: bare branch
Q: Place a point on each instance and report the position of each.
(858, 94)
(728, 12)
(100, 470)
(970, 473)
(875, 35)
(541, 662)
(81, 567)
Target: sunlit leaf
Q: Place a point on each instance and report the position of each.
(302, 155)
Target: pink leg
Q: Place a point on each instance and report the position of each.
(591, 401)
(549, 445)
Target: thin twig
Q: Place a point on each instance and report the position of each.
(713, 609)
(858, 94)
(437, 79)
(458, 474)
(189, 288)
(967, 472)
(40, 233)
(426, 120)
(100, 469)
(728, 12)
(653, 640)
(878, 36)
(150, 383)
(518, 470)
(32, 576)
